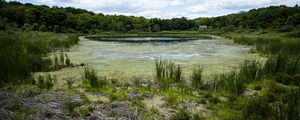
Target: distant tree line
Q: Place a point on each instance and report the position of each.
(273, 17)
(67, 19)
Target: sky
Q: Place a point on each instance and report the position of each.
(165, 8)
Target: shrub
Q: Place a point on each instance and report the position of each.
(56, 29)
(35, 26)
(286, 28)
(42, 28)
(26, 27)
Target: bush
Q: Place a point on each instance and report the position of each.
(56, 29)
(35, 26)
(43, 28)
(286, 28)
(26, 27)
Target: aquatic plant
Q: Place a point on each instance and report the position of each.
(234, 82)
(196, 77)
(91, 79)
(167, 70)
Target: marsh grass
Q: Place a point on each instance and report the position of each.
(68, 61)
(282, 63)
(167, 71)
(197, 77)
(234, 82)
(269, 45)
(70, 83)
(259, 108)
(24, 53)
(45, 82)
(92, 80)
(70, 106)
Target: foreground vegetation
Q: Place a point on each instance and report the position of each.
(255, 90)
(25, 52)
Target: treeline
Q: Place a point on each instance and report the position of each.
(58, 19)
(280, 18)
(40, 17)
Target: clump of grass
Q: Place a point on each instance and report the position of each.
(167, 70)
(91, 79)
(45, 82)
(69, 106)
(182, 114)
(234, 82)
(62, 58)
(196, 77)
(257, 109)
(282, 63)
(70, 83)
(68, 61)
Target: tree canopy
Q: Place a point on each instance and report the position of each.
(69, 19)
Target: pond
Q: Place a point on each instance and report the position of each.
(125, 59)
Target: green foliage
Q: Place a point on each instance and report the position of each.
(14, 60)
(70, 106)
(24, 53)
(35, 26)
(45, 82)
(43, 28)
(68, 61)
(282, 63)
(62, 58)
(286, 28)
(56, 29)
(182, 115)
(269, 46)
(70, 83)
(91, 79)
(257, 109)
(196, 77)
(26, 27)
(234, 82)
(166, 71)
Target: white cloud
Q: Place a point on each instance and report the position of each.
(168, 8)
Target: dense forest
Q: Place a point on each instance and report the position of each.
(69, 20)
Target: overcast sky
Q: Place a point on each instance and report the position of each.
(165, 8)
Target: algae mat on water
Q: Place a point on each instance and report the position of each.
(136, 59)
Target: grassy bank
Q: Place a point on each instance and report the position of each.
(25, 52)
